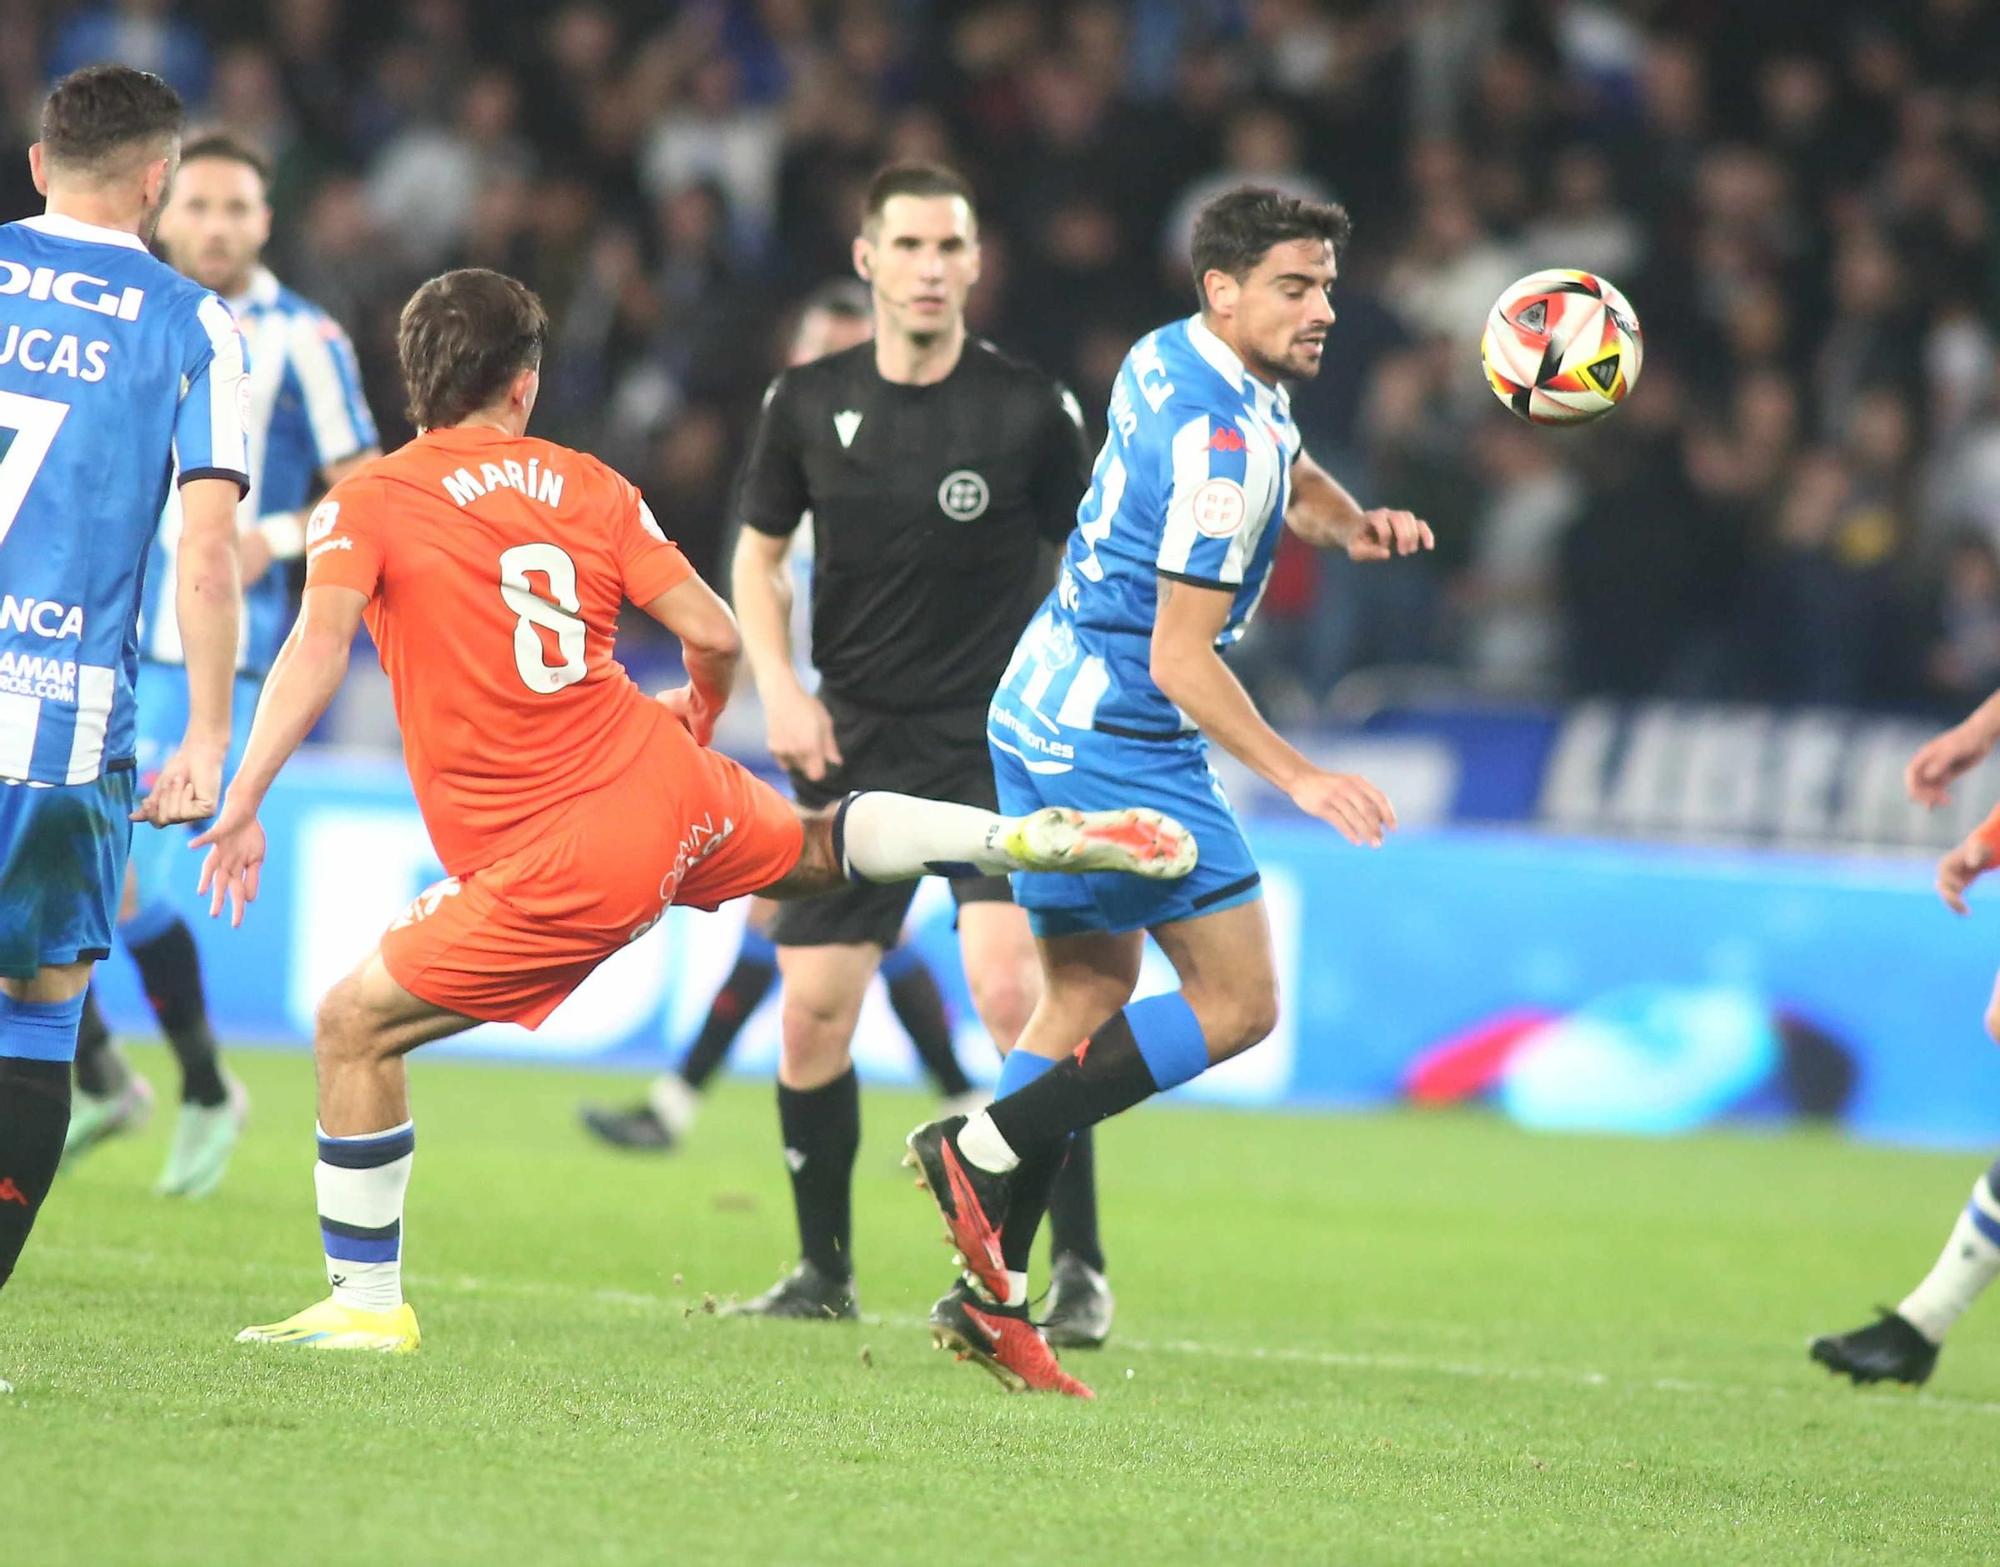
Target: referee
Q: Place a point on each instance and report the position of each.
(938, 473)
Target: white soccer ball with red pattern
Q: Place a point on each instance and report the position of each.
(1562, 347)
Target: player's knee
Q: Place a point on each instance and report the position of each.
(816, 1030)
(1004, 996)
(342, 1027)
(1237, 1019)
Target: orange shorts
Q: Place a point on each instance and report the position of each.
(509, 941)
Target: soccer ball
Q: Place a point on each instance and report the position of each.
(1561, 347)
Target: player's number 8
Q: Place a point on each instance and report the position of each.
(562, 618)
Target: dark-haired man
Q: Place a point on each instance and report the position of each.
(1117, 685)
(938, 472)
(567, 808)
(309, 426)
(115, 372)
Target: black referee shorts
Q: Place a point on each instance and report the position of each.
(941, 756)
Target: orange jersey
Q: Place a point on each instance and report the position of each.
(495, 568)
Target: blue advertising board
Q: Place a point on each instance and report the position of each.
(1572, 983)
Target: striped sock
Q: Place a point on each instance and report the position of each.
(360, 1182)
(1969, 1262)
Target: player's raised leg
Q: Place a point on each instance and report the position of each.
(367, 1142)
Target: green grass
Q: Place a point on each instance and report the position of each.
(1396, 1338)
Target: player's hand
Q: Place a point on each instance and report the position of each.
(1382, 534)
(1958, 870)
(695, 714)
(1346, 801)
(234, 862)
(188, 788)
(800, 733)
(1951, 755)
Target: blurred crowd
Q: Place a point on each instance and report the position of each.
(1801, 502)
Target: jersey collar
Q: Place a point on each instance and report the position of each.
(263, 290)
(1218, 353)
(61, 227)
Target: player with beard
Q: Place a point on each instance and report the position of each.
(1117, 687)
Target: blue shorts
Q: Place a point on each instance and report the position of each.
(158, 853)
(1107, 772)
(62, 867)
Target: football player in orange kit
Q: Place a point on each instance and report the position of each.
(567, 808)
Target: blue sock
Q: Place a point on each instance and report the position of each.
(757, 947)
(1169, 1038)
(1020, 1069)
(40, 1030)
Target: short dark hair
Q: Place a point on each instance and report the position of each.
(914, 179)
(94, 115)
(462, 337)
(1233, 232)
(231, 149)
(842, 297)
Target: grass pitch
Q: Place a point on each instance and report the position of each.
(1395, 1338)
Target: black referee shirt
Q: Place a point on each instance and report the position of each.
(932, 510)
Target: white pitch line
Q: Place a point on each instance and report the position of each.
(1324, 1359)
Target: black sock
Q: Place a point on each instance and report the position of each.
(748, 983)
(822, 1132)
(1105, 1076)
(34, 1114)
(170, 969)
(1027, 1201)
(919, 1004)
(99, 1072)
(1073, 1204)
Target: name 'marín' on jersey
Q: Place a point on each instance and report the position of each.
(305, 412)
(1191, 484)
(114, 371)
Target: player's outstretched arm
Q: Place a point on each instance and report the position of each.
(799, 729)
(1950, 756)
(303, 679)
(1192, 675)
(694, 612)
(209, 605)
(1323, 514)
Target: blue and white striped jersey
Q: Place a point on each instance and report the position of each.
(114, 371)
(1193, 476)
(305, 411)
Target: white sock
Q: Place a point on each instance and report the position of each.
(674, 1103)
(899, 837)
(1969, 1262)
(360, 1183)
(1017, 1287)
(980, 1141)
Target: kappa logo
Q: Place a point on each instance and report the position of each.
(9, 1192)
(1226, 440)
(845, 423)
(963, 496)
